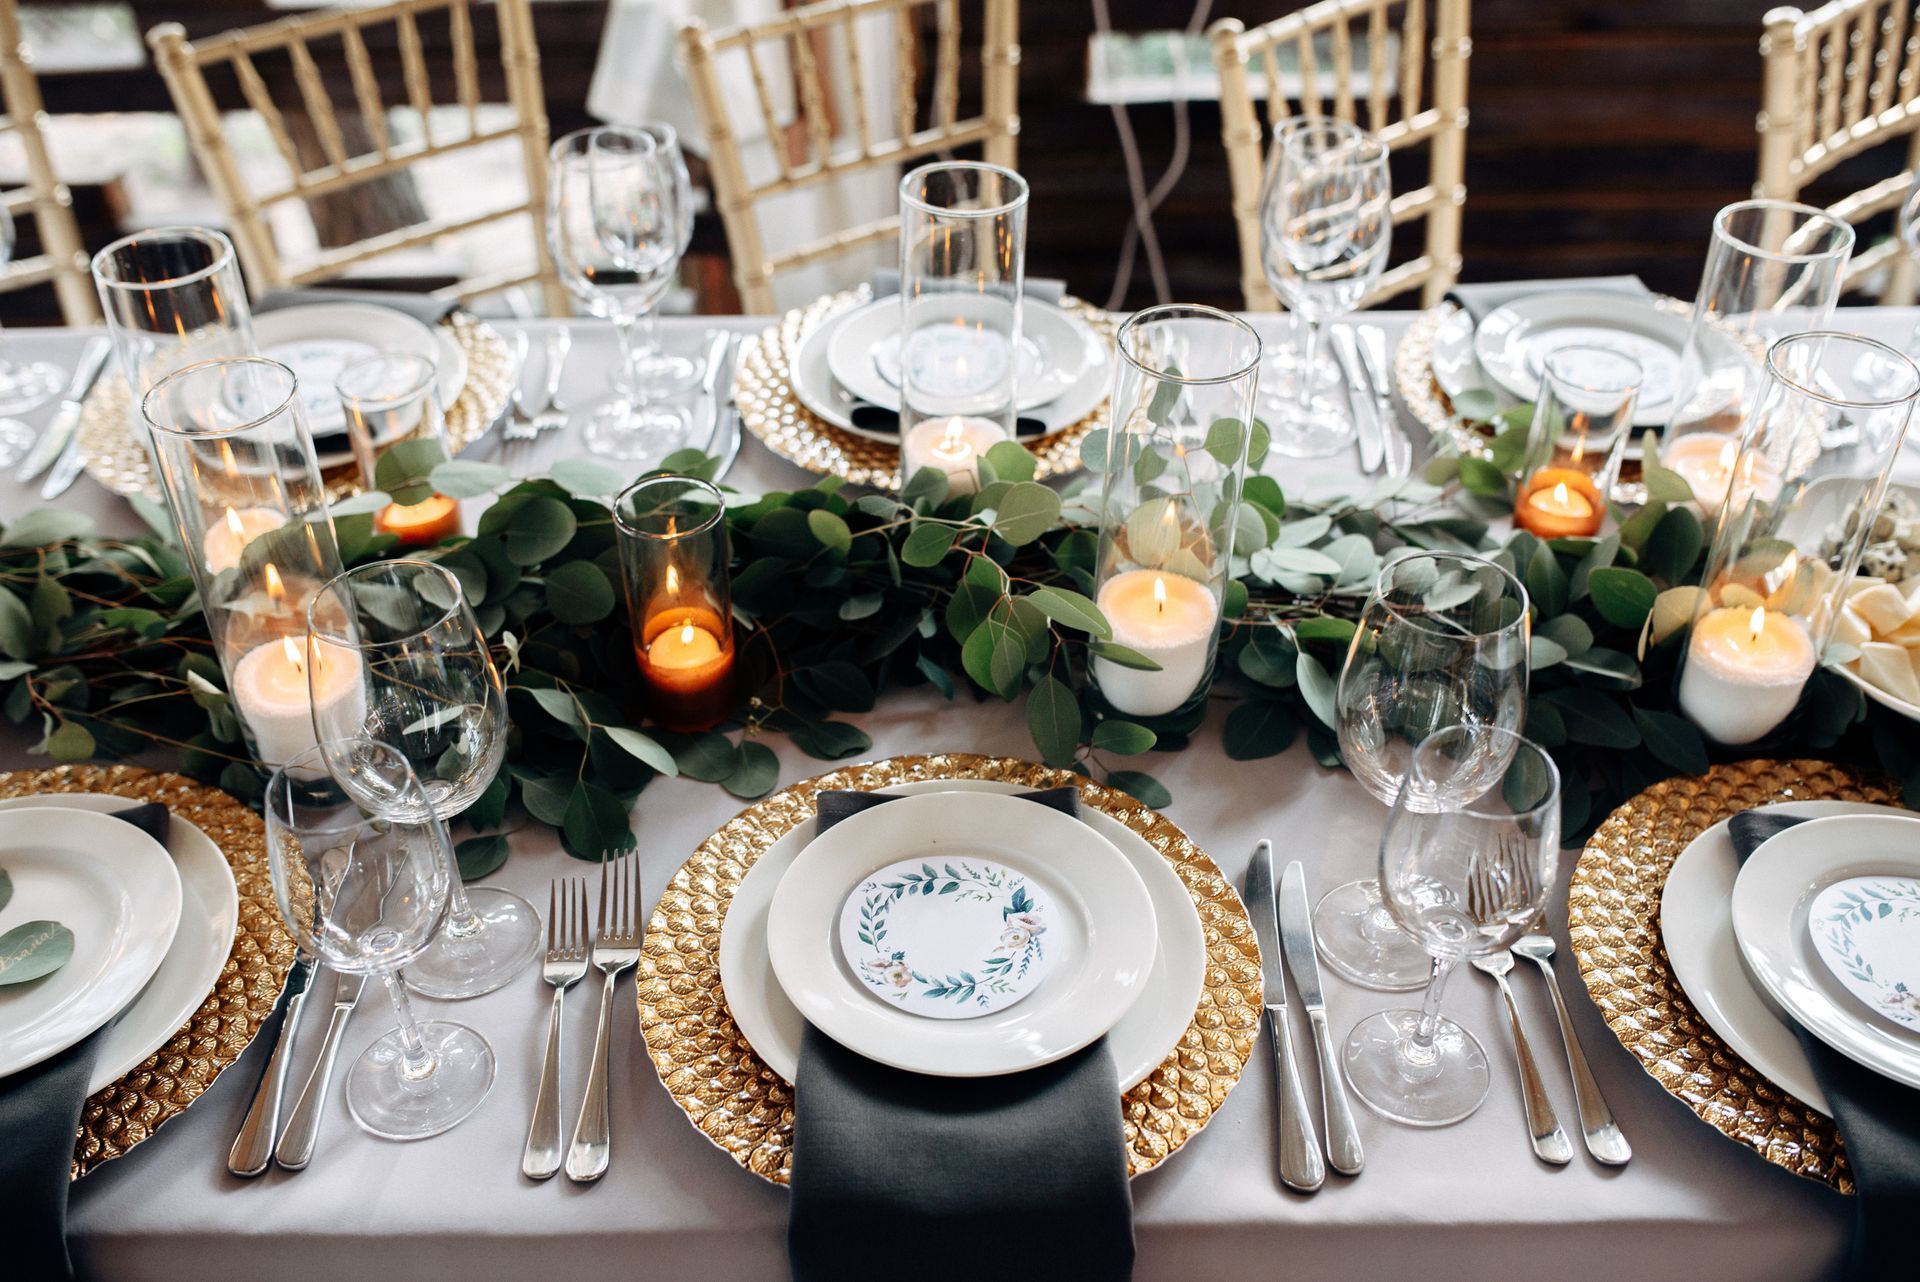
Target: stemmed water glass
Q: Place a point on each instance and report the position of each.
(22, 385)
(428, 689)
(617, 226)
(362, 885)
(1442, 641)
(653, 368)
(1326, 225)
(1466, 860)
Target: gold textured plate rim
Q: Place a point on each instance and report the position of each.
(746, 1109)
(1613, 916)
(119, 462)
(125, 1114)
(771, 409)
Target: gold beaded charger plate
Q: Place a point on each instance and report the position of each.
(1613, 912)
(746, 1109)
(126, 1113)
(772, 410)
(118, 460)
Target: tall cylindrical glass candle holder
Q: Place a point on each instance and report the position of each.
(173, 298)
(1581, 422)
(237, 467)
(1170, 495)
(674, 558)
(963, 245)
(1792, 530)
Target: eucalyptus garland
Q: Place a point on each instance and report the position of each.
(988, 595)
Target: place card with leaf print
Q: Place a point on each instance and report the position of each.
(1867, 931)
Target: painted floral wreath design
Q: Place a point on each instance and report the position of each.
(1873, 902)
(891, 972)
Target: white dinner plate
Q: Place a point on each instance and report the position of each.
(319, 340)
(1100, 933)
(209, 914)
(1150, 1029)
(1771, 898)
(116, 889)
(1057, 351)
(1696, 925)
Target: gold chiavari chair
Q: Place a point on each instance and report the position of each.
(796, 40)
(184, 65)
(61, 260)
(1840, 81)
(1413, 92)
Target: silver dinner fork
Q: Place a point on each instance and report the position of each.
(565, 966)
(1495, 889)
(552, 415)
(616, 949)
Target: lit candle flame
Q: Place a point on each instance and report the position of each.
(1579, 448)
(293, 654)
(1758, 622)
(234, 526)
(1560, 495)
(953, 442)
(1727, 453)
(686, 634)
(1159, 595)
(276, 590)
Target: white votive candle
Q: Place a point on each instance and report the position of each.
(271, 693)
(1706, 460)
(1170, 619)
(228, 537)
(953, 445)
(1744, 672)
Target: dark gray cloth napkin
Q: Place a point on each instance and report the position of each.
(1878, 1118)
(39, 1113)
(1481, 301)
(940, 1179)
(424, 308)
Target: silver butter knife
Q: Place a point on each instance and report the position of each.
(303, 1124)
(725, 444)
(1366, 407)
(252, 1151)
(1300, 1164)
(1296, 937)
(1393, 439)
(54, 441)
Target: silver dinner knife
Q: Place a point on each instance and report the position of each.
(65, 472)
(252, 1151)
(303, 1124)
(1296, 937)
(54, 441)
(1301, 1166)
(1360, 395)
(1393, 438)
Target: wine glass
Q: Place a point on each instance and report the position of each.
(653, 369)
(1442, 641)
(22, 385)
(616, 227)
(1469, 852)
(362, 886)
(422, 683)
(1326, 225)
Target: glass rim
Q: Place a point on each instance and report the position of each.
(1794, 383)
(1813, 214)
(340, 581)
(1187, 311)
(315, 759)
(291, 399)
(1293, 126)
(1521, 744)
(424, 384)
(557, 151)
(1022, 191)
(1639, 370)
(623, 526)
(183, 231)
(1379, 598)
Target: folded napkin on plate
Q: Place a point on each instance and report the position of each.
(938, 1178)
(1480, 301)
(425, 308)
(39, 1113)
(1878, 1118)
(886, 283)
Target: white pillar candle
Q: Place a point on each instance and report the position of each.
(271, 693)
(228, 537)
(1744, 672)
(1706, 461)
(953, 445)
(1170, 618)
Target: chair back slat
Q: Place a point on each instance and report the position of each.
(62, 261)
(813, 99)
(857, 81)
(946, 93)
(1328, 43)
(353, 153)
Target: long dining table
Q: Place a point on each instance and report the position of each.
(1465, 1202)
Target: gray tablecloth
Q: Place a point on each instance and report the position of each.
(1466, 1202)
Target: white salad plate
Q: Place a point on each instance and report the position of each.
(1772, 900)
(1143, 999)
(318, 340)
(209, 914)
(1696, 925)
(110, 884)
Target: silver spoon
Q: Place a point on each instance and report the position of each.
(1603, 1136)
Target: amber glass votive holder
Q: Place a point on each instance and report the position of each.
(392, 400)
(674, 563)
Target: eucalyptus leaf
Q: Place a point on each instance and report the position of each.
(579, 594)
(6, 888)
(643, 749)
(1317, 687)
(1011, 461)
(1142, 787)
(478, 856)
(927, 545)
(1124, 656)
(463, 479)
(755, 773)
(595, 825)
(1475, 405)
(1623, 597)
(1028, 511)
(1124, 737)
(1053, 718)
(1258, 728)
(33, 950)
(44, 526)
(830, 529)
(1070, 609)
(582, 477)
(539, 529)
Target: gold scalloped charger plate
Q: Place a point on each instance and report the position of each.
(117, 460)
(772, 410)
(1613, 912)
(118, 1117)
(746, 1109)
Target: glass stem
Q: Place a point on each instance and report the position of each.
(1420, 1049)
(416, 1061)
(1308, 357)
(462, 922)
(630, 351)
